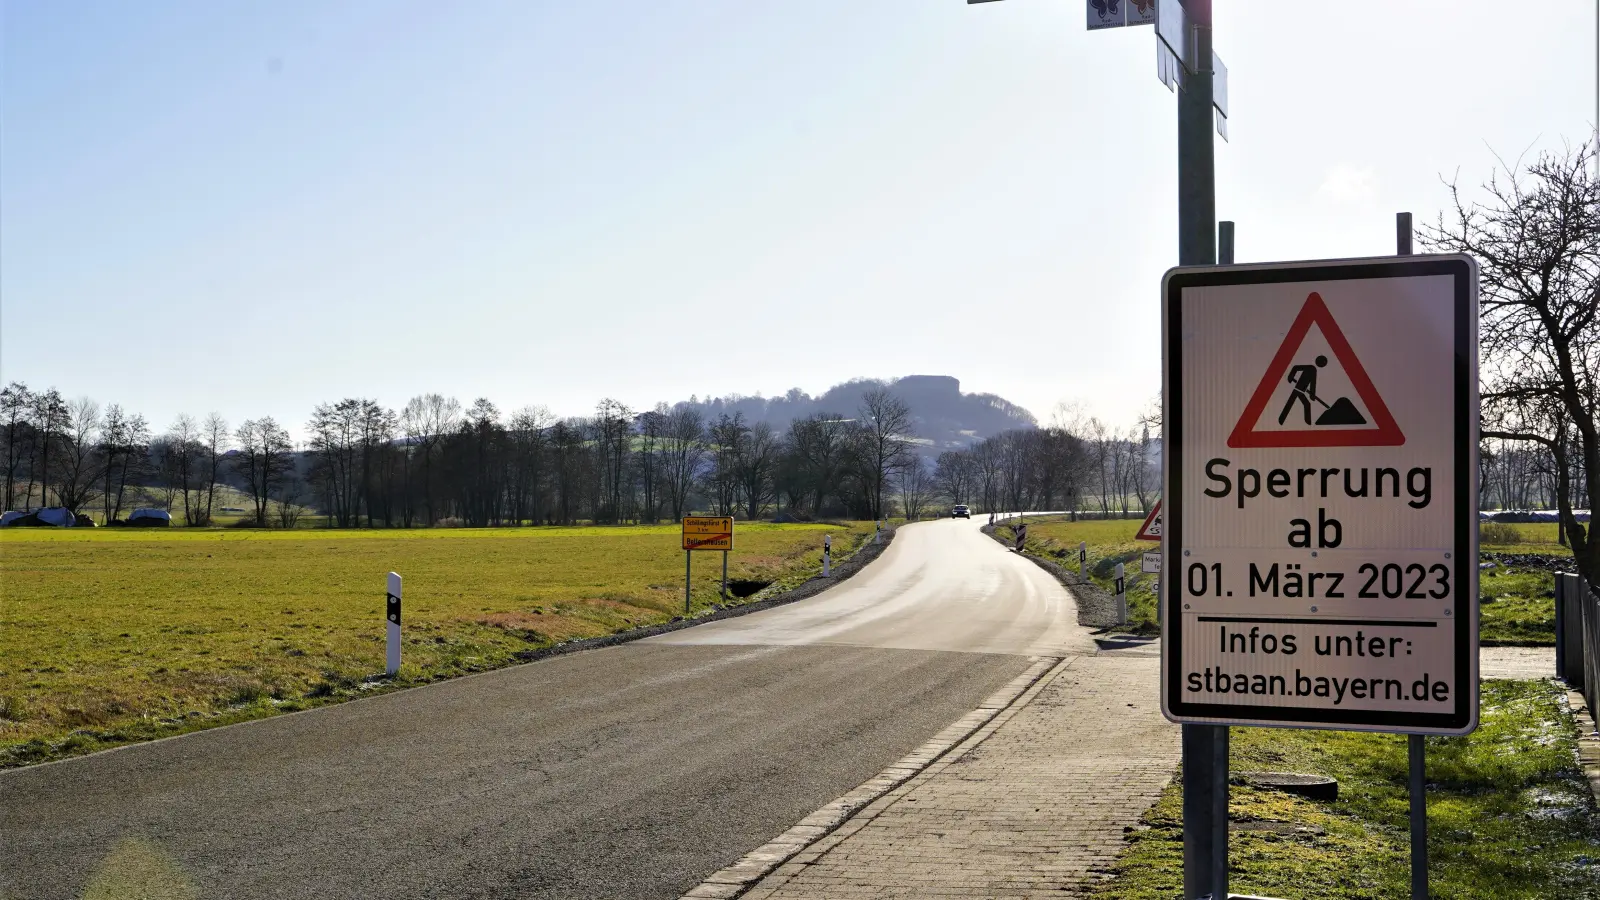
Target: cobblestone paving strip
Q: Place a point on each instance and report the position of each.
(736, 879)
(1033, 803)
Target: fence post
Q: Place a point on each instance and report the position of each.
(1589, 615)
(1571, 629)
(1561, 625)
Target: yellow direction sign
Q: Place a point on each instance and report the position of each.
(708, 532)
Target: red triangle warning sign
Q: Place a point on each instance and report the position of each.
(1151, 529)
(1312, 420)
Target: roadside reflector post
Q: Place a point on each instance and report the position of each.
(1122, 597)
(875, 531)
(1083, 562)
(827, 555)
(393, 614)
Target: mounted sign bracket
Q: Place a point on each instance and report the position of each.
(1177, 55)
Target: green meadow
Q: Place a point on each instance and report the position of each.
(111, 636)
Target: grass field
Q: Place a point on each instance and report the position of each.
(1509, 814)
(109, 636)
(1517, 604)
(1522, 537)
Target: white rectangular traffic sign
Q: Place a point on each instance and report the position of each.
(1151, 562)
(1320, 527)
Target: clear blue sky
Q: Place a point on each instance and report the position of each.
(252, 208)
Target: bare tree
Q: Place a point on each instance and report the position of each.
(954, 474)
(886, 432)
(818, 443)
(758, 458)
(428, 420)
(183, 441)
(16, 402)
(49, 415)
(336, 451)
(683, 447)
(263, 461)
(287, 506)
(916, 486)
(1537, 241)
(613, 434)
(80, 456)
(214, 433)
(651, 427)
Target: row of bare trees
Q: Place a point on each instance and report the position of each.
(74, 454)
(434, 461)
(1077, 463)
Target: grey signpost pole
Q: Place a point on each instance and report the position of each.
(1414, 742)
(1184, 57)
(1205, 747)
(688, 570)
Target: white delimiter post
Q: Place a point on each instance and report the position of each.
(1122, 597)
(393, 666)
(827, 553)
(1083, 561)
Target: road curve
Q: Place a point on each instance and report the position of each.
(633, 771)
(940, 586)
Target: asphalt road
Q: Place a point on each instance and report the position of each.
(633, 771)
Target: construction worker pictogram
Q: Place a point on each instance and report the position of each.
(1310, 419)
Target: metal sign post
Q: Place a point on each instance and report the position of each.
(1184, 57)
(1415, 742)
(705, 533)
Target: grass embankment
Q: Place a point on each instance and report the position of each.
(1110, 541)
(1509, 815)
(1516, 602)
(111, 636)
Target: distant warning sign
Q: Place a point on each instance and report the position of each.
(1319, 509)
(1151, 529)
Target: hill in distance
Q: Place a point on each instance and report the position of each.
(946, 418)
